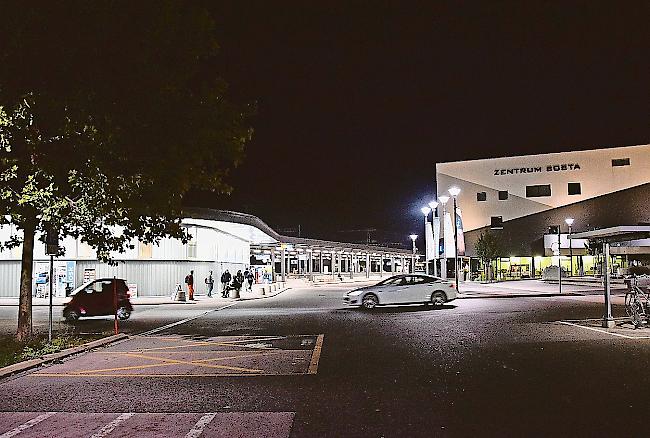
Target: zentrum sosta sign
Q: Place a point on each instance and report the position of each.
(538, 169)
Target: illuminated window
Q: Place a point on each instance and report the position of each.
(145, 250)
(191, 245)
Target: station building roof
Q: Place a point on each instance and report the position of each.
(261, 235)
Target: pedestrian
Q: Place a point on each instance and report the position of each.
(246, 277)
(225, 281)
(239, 281)
(189, 281)
(249, 279)
(209, 281)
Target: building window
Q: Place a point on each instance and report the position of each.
(574, 189)
(481, 196)
(496, 222)
(145, 250)
(503, 195)
(538, 191)
(620, 162)
(191, 245)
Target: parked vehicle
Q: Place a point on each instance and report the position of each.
(105, 296)
(403, 289)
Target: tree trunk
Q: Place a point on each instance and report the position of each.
(24, 331)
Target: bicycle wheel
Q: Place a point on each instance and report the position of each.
(638, 315)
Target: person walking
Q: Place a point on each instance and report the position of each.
(250, 278)
(225, 280)
(209, 281)
(189, 281)
(239, 281)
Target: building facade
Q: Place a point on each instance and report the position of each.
(519, 198)
(220, 240)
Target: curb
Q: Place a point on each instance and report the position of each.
(462, 296)
(263, 296)
(33, 363)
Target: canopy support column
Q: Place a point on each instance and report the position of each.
(608, 320)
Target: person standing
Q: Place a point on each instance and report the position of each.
(225, 280)
(250, 278)
(189, 281)
(246, 272)
(209, 281)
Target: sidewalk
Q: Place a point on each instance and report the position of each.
(262, 291)
(524, 288)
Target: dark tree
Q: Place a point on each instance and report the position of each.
(110, 112)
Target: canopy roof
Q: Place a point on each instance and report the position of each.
(621, 233)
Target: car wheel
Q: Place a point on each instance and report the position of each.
(123, 313)
(71, 315)
(438, 298)
(369, 301)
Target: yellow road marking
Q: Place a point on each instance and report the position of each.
(170, 362)
(109, 372)
(164, 375)
(315, 356)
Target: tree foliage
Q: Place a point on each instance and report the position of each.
(110, 112)
(488, 247)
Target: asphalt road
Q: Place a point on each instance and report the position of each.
(480, 366)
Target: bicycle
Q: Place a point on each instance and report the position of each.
(637, 304)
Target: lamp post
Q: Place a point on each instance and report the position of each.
(413, 237)
(569, 222)
(425, 211)
(443, 262)
(454, 192)
(434, 209)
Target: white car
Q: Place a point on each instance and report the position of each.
(403, 289)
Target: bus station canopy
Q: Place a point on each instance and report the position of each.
(621, 233)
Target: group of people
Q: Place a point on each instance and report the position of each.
(228, 282)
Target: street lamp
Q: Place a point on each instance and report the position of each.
(569, 222)
(454, 192)
(425, 211)
(443, 262)
(413, 237)
(434, 209)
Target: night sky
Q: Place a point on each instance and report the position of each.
(357, 101)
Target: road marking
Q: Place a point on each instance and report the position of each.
(31, 423)
(603, 331)
(315, 356)
(185, 362)
(197, 430)
(112, 425)
(190, 343)
(167, 375)
(170, 362)
(174, 324)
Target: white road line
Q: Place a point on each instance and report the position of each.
(604, 331)
(112, 425)
(25, 426)
(174, 324)
(197, 430)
